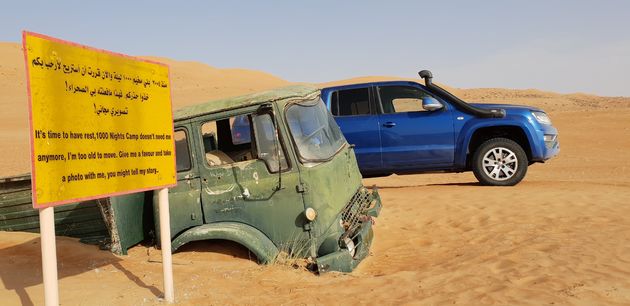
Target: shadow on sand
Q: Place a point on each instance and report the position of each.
(21, 265)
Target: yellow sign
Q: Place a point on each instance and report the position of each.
(101, 123)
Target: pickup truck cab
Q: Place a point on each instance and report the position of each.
(405, 127)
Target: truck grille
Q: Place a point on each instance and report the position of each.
(354, 213)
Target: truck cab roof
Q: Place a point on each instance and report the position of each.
(366, 84)
(299, 92)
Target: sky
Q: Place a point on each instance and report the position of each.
(561, 46)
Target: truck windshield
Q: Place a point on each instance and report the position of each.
(314, 131)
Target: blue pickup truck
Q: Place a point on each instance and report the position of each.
(404, 127)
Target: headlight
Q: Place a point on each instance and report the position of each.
(310, 214)
(541, 117)
(350, 245)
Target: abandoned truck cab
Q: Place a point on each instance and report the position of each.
(288, 184)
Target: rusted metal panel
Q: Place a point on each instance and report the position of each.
(82, 220)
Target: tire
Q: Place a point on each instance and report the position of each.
(499, 162)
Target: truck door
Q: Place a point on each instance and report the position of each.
(184, 207)
(355, 113)
(240, 176)
(412, 137)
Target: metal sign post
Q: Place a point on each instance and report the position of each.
(165, 238)
(49, 255)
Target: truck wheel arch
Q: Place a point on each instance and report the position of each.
(512, 132)
(243, 234)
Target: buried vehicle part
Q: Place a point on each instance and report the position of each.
(243, 234)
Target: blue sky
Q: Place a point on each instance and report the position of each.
(563, 46)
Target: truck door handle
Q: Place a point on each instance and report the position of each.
(389, 124)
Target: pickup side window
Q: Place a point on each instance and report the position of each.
(351, 102)
(235, 139)
(182, 153)
(401, 99)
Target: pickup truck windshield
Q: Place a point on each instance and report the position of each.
(314, 131)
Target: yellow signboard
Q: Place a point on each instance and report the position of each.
(101, 123)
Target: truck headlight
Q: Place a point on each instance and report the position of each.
(541, 117)
(350, 246)
(310, 214)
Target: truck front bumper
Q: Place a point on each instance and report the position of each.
(552, 146)
(347, 258)
(545, 144)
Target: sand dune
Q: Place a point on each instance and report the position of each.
(559, 237)
(195, 82)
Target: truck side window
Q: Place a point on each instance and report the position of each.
(351, 102)
(240, 129)
(182, 153)
(399, 99)
(267, 143)
(242, 138)
(228, 140)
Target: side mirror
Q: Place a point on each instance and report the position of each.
(431, 104)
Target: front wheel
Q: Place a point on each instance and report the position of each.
(499, 162)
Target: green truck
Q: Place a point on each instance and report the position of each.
(271, 171)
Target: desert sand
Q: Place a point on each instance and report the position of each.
(562, 236)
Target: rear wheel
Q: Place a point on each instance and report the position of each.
(499, 162)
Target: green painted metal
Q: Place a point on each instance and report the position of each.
(246, 235)
(130, 220)
(286, 93)
(239, 199)
(184, 209)
(341, 260)
(82, 220)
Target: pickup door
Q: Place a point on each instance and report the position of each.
(391, 130)
(411, 137)
(355, 113)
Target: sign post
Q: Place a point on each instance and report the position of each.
(49, 255)
(165, 239)
(101, 125)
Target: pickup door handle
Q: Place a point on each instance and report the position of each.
(389, 124)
